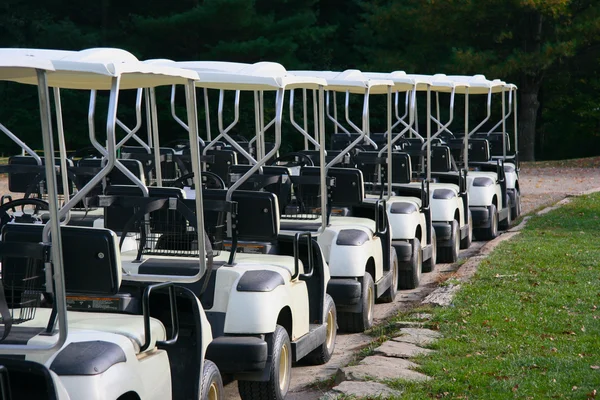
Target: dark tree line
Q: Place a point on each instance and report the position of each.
(550, 49)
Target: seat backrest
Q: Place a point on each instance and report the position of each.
(168, 167)
(222, 160)
(495, 142)
(349, 188)
(282, 188)
(19, 182)
(91, 257)
(479, 150)
(117, 215)
(258, 214)
(115, 176)
(369, 164)
(401, 167)
(441, 159)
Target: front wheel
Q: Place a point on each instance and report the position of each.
(363, 320)
(410, 274)
(506, 223)
(516, 207)
(212, 384)
(490, 232)
(323, 353)
(390, 294)
(277, 386)
(429, 265)
(449, 254)
(465, 243)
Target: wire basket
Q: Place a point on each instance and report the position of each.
(167, 232)
(23, 281)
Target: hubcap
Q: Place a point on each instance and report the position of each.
(283, 368)
(213, 391)
(330, 329)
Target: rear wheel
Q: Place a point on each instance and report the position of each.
(516, 207)
(506, 223)
(363, 320)
(490, 232)
(280, 374)
(410, 274)
(429, 265)
(390, 294)
(323, 353)
(212, 384)
(449, 254)
(465, 243)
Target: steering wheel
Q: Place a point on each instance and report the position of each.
(294, 159)
(5, 217)
(210, 180)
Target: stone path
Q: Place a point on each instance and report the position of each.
(390, 361)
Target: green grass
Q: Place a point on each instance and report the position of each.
(527, 325)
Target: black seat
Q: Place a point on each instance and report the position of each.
(495, 142)
(349, 185)
(222, 160)
(441, 159)
(169, 168)
(257, 214)
(91, 269)
(479, 150)
(24, 174)
(118, 213)
(274, 179)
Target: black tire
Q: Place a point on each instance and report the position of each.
(490, 232)
(363, 320)
(212, 383)
(409, 276)
(449, 254)
(506, 223)
(516, 207)
(323, 353)
(429, 265)
(465, 243)
(277, 386)
(389, 295)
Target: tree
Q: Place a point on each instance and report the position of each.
(516, 40)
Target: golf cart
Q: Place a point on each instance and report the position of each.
(67, 306)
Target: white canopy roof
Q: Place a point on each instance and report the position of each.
(16, 67)
(239, 76)
(351, 80)
(95, 69)
(478, 84)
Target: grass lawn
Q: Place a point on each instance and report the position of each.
(527, 326)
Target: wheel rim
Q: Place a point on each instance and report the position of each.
(395, 273)
(371, 301)
(330, 329)
(213, 391)
(284, 368)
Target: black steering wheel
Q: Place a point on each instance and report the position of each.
(294, 159)
(210, 180)
(33, 217)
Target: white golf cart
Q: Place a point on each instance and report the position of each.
(489, 201)
(266, 300)
(115, 339)
(354, 232)
(430, 162)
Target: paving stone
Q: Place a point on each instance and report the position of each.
(400, 349)
(380, 368)
(442, 296)
(421, 316)
(408, 324)
(418, 336)
(363, 389)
